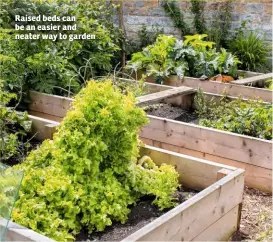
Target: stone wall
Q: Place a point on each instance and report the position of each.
(150, 13)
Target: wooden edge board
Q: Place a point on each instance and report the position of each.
(160, 86)
(253, 79)
(16, 232)
(179, 224)
(222, 229)
(165, 94)
(222, 173)
(209, 140)
(229, 88)
(255, 176)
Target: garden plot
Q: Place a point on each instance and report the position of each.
(174, 126)
(217, 204)
(252, 154)
(250, 87)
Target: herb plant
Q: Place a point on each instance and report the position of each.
(89, 174)
(252, 117)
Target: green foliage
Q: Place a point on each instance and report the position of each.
(192, 57)
(176, 15)
(252, 50)
(63, 66)
(269, 84)
(88, 175)
(197, 9)
(147, 37)
(218, 32)
(252, 117)
(14, 126)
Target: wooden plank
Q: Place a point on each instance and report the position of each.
(192, 217)
(166, 94)
(229, 89)
(50, 129)
(255, 176)
(222, 229)
(49, 104)
(249, 73)
(222, 173)
(17, 232)
(45, 116)
(252, 80)
(194, 173)
(39, 127)
(211, 141)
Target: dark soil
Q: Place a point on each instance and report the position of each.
(256, 217)
(169, 111)
(24, 151)
(141, 214)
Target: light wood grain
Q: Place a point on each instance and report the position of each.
(255, 176)
(179, 91)
(211, 141)
(222, 229)
(229, 89)
(252, 80)
(194, 216)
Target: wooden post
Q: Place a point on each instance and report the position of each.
(222, 173)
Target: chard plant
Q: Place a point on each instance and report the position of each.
(192, 56)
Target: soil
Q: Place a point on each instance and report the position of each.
(17, 159)
(169, 111)
(256, 217)
(141, 214)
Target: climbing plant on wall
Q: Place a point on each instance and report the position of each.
(173, 10)
(197, 8)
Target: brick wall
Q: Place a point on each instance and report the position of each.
(150, 13)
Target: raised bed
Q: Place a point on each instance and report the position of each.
(212, 214)
(246, 87)
(252, 154)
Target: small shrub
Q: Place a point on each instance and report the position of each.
(252, 51)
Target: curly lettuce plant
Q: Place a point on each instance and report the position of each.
(89, 174)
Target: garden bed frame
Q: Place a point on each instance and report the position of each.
(212, 215)
(244, 87)
(252, 154)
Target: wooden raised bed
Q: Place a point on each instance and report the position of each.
(252, 154)
(213, 214)
(246, 87)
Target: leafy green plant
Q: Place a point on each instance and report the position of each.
(61, 66)
(252, 117)
(89, 174)
(218, 32)
(194, 57)
(14, 127)
(197, 9)
(252, 50)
